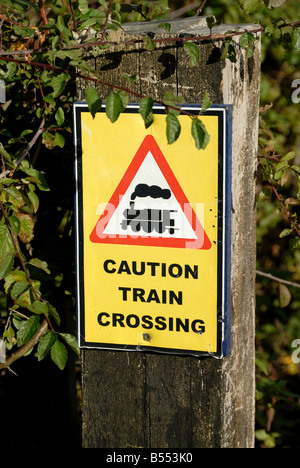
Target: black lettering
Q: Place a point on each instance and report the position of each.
(180, 324)
(161, 323)
(153, 296)
(153, 267)
(118, 319)
(135, 319)
(125, 291)
(142, 269)
(198, 329)
(147, 322)
(105, 266)
(103, 324)
(138, 294)
(191, 272)
(124, 268)
(177, 298)
(175, 270)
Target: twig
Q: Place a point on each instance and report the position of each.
(210, 37)
(43, 12)
(86, 78)
(182, 11)
(107, 18)
(199, 11)
(31, 143)
(27, 347)
(73, 15)
(4, 174)
(279, 198)
(278, 280)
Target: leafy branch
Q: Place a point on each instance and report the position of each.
(42, 52)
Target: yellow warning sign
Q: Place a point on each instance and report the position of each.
(153, 233)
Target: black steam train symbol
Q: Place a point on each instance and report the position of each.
(149, 220)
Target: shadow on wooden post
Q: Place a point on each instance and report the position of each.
(166, 401)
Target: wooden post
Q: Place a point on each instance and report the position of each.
(166, 401)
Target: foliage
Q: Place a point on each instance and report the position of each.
(43, 48)
(278, 240)
(39, 60)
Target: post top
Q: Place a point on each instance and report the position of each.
(196, 26)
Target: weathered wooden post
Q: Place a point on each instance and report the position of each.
(155, 400)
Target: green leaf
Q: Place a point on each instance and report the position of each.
(28, 330)
(83, 6)
(15, 196)
(278, 175)
(93, 100)
(200, 134)
(129, 78)
(249, 6)
(15, 225)
(58, 83)
(148, 43)
(45, 344)
(104, 4)
(285, 296)
(210, 21)
(26, 227)
(145, 109)
(114, 107)
(40, 264)
(229, 51)
(72, 342)
(14, 276)
(165, 26)
(18, 289)
(246, 39)
(59, 355)
(173, 128)
(60, 24)
(285, 233)
(281, 165)
(289, 156)
(60, 116)
(7, 251)
(124, 98)
(34, 200)
(36, 177)
(206, 103)
(261, 435)
(194, 53)
(59, 140)
(173, 103)
(22, 293)
(23, 31)
(54, 314)
(275, 3)
(296, 169)
(39, 308)
(262, 365)
(5, 153)
(296, 39)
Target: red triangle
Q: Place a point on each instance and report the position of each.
(97, 236)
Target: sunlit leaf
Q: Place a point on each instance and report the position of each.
(284, 296)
